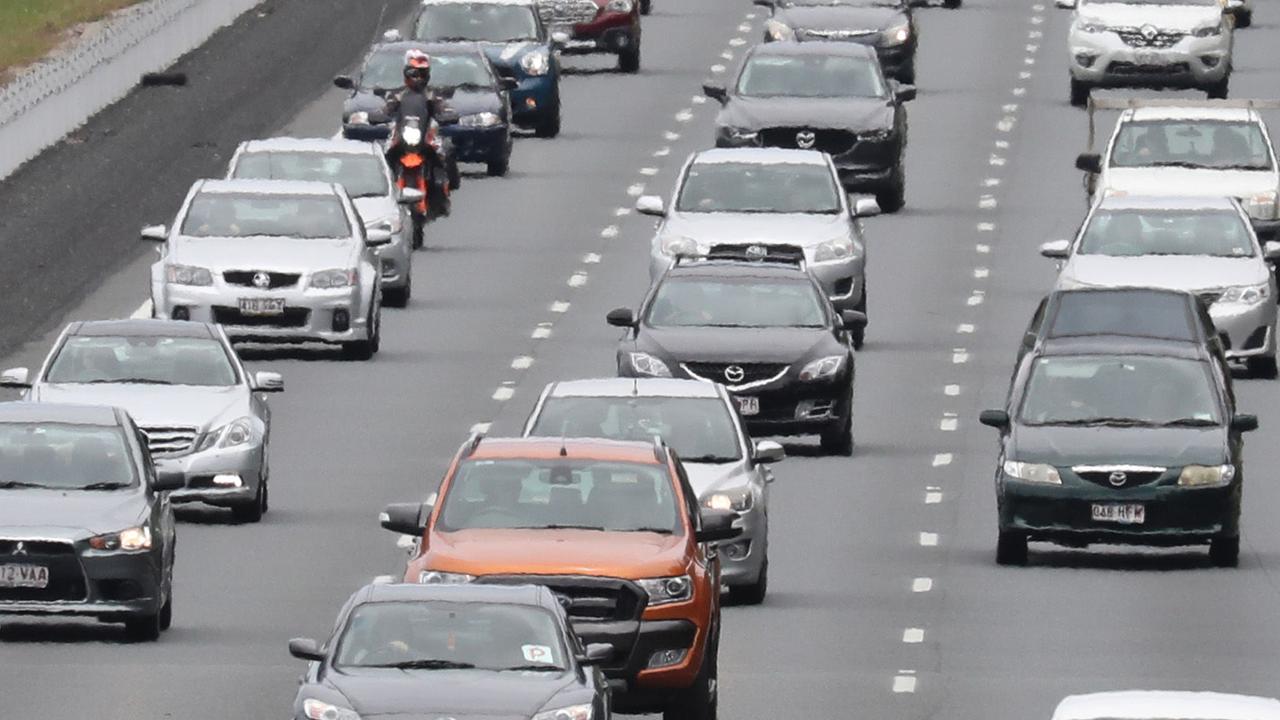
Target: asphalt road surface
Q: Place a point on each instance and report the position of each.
(885, 599)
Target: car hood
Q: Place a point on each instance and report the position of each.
(754, 113)
(155, 405)
(803, 229)
(713, 477)
(1160, 447)
(631, 555)
(69, 515)
(377, 209)
(508, 55)
(1190, 181)
(841, 17)
(1175, 272)
(461, 693)
(712, 344)
(1166, 17)
(467, 102)
(263, 253)
(362, 101)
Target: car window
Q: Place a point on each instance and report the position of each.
(246, 215)
(706, 302)
(362, 175)
(480, 22)
(142, 359)
(1216, 144)
(489, 636)
(593, 495)
(1132, 233)
(701, 429)
(64, 457)
(1132, 313)
(756, 188)
(1128, 389)
(810, 76)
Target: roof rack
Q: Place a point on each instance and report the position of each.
(472, 443)
(748, 252)
(1133, 103)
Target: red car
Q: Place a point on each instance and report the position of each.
(598, 26)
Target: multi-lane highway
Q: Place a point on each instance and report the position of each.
(885, 600)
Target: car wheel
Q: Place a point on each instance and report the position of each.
(1011, 548)
(419, 231)
(1218, 90)
(1079, 93)
(1244, 18)
(892, 198)
(251, 512)
(858, 335)
(399, 297)
(549, 124)
(838, 438)
(1225, 551)
(754, 593)
(455, 175)
(497, 167)
(907, 73)
(951, 4)
(1262, 367)
(701, 701)
(646, 7)
(629, 59)
(366, 349)
(147, 628)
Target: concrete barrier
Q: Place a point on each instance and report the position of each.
(55, 97)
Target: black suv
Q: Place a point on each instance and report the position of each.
(759, 324)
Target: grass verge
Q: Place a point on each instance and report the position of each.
(29, 29)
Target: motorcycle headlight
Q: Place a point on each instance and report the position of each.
(774, 30)
(482, 120)
(737, 500)
(679, 245)
(536, 63)
(188, 275)
(237, 432)
(1247, 294)
(1208, 31)
(412, 136)
(646, 364)
(666, 590)
(130, 540)
(1090, 27)
(1033, 472)
(1206, 475)
(436, 577)
(319, 710)
(621, 6)
(331, 279)
(572, 712)
(833, 249)
(897, 34)
(822, 368)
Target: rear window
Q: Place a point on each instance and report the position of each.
(1140, 314)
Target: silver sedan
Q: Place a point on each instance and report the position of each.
(272, 261)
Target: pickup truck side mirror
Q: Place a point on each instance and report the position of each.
(718, 525)
(621, 317)
(305, 649)
(1056, 249)
(994, 418)
(1244, 423)
(405, 518)
(716, 92)
(1065, 4)
(1089, 162)
(650, 205)
(155, 233)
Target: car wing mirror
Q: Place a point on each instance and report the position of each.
(1056, 249)
(392, 36)
(559, 39)
(651, 205)
(410, 196)
(405, 518)
(1271, 251)
(904, 93)
(866, 207)
(345, 82)
(853, 319)
(763, 3)
(1090, 162)
(716, 91)
(621, 317)
(1244, 423)
(718, 525)
(18, 377)
(769, 451)
(508, 83)
(269, 382)
(595, 654)
(1065, 4)
(155, 233)
(166, 480)
(994, 418)
(305, 649)
(377, 237)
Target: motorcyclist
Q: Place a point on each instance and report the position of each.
(414, 100)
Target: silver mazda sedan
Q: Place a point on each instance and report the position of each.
(272, 261)
(203, 416)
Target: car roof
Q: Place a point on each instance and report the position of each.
(1172, 705)
(532, 595)
(484, 2)
(571, 448)
(1121, 345)
(632, 387)
(760, 155)
(309, 145)
(738, 268)
(19, 412)
(814, 47)
(1192, 112)
(142, 328)
(268, 187)
(1121, 201)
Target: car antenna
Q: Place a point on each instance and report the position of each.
(564, 452)
(635, 387)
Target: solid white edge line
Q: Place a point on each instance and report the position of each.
(143, 311)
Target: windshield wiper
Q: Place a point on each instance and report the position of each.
(658, 530)
(426, 664)
(534, 668)
(708, 459)
(19, 484)
(567, 526)
(1115, 421)
(451, 38)
(1239, 166)
(1180, 163)
(129, 381)
(103, 486)
(1189, 422)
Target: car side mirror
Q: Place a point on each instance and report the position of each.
(392, 36)
(268, 382)
(155, 233)
(904, 93)
(345, 82)
(595, 654)
(377, 237)
(718, 525)
(380, 92)
(1089, 162)
(559, 39)
(18, 377)
(1244, 423)
(508, 83)
(763, 3)
(621, 317)
(716, 91)
(769, 451)
(1271, 251)
(853, 319)
(1056, 249)
(405, 518)
(166, 480)
(1065, 4)
(866, 207)
(410, 196)
(994, 418)
(651, 205)
(305, 649)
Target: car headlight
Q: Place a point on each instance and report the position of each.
(1206, 475)
(666, 590)
(236, 432)
(1032, 472)
(622, 6)
(188, 275)
(875, 135)
(679, 245)
(737, 500)
(481, 119)
(131, 540)
(1247, 294)
(536, 63)
(646, 364)
(1262, 205)
(897, 34)
(320, 710)
(833, 249)
(822, 368)
(572, 712)
(1208, 31)
(774, 30)
(331, 279)
(436, 577)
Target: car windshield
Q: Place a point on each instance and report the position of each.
(708, 302)
(433, 635)
(1125, 312)
(850, 3)
(362, 175)
(1130, 233)
(1121, 390)
(700, 429)
(142, 360)
(480, 22)
(63, 456)
(385, 69)
(810, 76)
(1202, 3)
(247, 215)
(1211, 144)
(561, 493)
(757, 187)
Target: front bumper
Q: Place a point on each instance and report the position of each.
(309, 316)
(1105, 59)
(742, 558)
(536, 97)
(246, 461)
(479, 144)
(90, 583)
(1249, 329)
(842, 280)
(610, 32)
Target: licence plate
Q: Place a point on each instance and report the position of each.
(24, 576)
(262, 306)
(1122, 514)
(1150, 58)
(748, 405)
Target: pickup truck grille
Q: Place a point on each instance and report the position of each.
(1134, 37)
(567, 12)
(593, 599)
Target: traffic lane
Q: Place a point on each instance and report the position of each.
(1013, 641)
(349, 437)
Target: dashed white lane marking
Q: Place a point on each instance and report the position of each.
(684, 115)
(609, 232)
(951, 391)
(981, 273)
(1024, 75)
(986, 227)
(744, 27)
(987, 202)
(480, 427)
(933, 497)
(726, 55)
(959, 356)
(1006, 123)
(1037, 19)
(976, 298)
(751, 16)
(577, 280)
(670, 136)
(702, 99)
(949, 423)
(143, 311)
(982, 249)
(1010, 108)
(941, 459)
(1029, 60)
(1002, 144)
(504, 393)
(542, 332)
(662, 151)
(524, 362)
(649, 171)
(1019, 91)
(636, 190)
(990, 182)
(965, 329)
(928, 539)
(622, 212)
(996, 160)
(922, 584)
(913, 635)
(559, 306)
(904, 684)
(1034, 34)
(591, 258)
(717, 69)
(737, 42)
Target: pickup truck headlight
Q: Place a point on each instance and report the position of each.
(536, 63)
(1247, 294)
(897, 34)
(648, 365)
(1032, 472)
(130, 540)
(1262, 205)
(479, 120)
(738, 500)
(666, 590)
(436, 577)
(1206, 475)
(319, 710)
(834, 249)
(620, 6)
(332, 279)
(572, 712)
(188, 275)
(822, 368)
(1208, 31)
(774, 30)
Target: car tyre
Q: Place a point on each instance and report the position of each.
(419, 231)
(892, 198)
(1262, 367)
(951, 4)
(1244, 18)
(251, 512)
(1079, 93)
(498, 166)
(754, 593)
(147, 628)
(838, 438)
(1218, 90)
(646, 7)
(399, 297)
(1224, 552)
(549, 124)
(629, 59)
(1011, 548)
(366, 349)
(907, 73)
(858, 336)
(701, 701)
